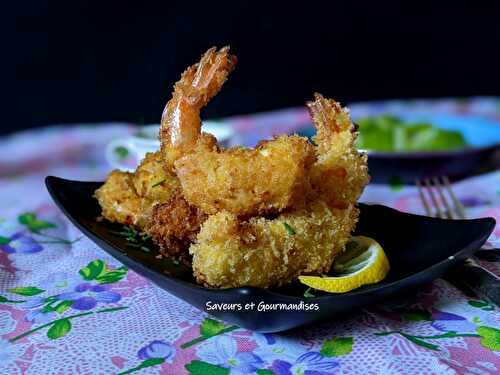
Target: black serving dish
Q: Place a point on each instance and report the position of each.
(420, 249)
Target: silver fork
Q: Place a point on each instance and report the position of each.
(446, 206)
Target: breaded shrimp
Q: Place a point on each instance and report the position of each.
(119, 201)
(261, 252)
(247, 182)
(340, 172)
(304, 239)
(128, 198)
(153, 180)
(174, 225)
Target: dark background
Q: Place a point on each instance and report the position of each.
(68, 61)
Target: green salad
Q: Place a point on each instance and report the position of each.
(390, 133)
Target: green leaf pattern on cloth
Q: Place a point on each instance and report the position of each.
(337, 346)
(26, 291)
(203, 368)
(490, 337)
(60, 328)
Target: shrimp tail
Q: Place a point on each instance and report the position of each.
(340, 172)
(181, 123)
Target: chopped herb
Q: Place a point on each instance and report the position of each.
(135, 238)
(121, 152)
(308, 294)
(158, 183)
(289, 229)
(312, 141)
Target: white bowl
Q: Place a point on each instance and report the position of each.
(126, 153)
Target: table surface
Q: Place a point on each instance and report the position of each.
(67, 307)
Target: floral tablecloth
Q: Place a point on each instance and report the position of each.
(66, 307)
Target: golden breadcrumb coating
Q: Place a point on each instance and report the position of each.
(340, 172)
(246, 182)
(153, 180)
(120, 202)
(262, 252)
(174, 225)
(232, 252)
(128, 198)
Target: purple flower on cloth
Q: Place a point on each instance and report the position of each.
(310, 363)
(36, 313)
(38, 316)
(86, 296)
(271, 347)
(222, 351)
(445, 322)
(19, 243)
(157, 349)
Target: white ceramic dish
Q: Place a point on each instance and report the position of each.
(126, 153)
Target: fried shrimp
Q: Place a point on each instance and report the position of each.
(263, 252)
(119, 201)
(305, 238)
(174, 225)
(153, 180)
(340, 172)
(247, 182)
(128, 198)
(181, 122)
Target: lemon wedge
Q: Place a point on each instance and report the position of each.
(363, 262)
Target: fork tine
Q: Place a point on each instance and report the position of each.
(439, 213)
(438, 185)
(459, 208)
(423, 198)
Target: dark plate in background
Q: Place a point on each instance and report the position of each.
(419, 249)
(389, 167)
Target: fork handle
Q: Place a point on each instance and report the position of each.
(481, 281)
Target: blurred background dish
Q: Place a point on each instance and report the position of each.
(405, 144)
(126, 153)
(393, 134)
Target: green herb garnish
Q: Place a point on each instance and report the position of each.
(158, 183)
(289, 229)
(308, 294)
(121, 152)
(135, 238)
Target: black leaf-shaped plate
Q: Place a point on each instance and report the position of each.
(420, 249)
